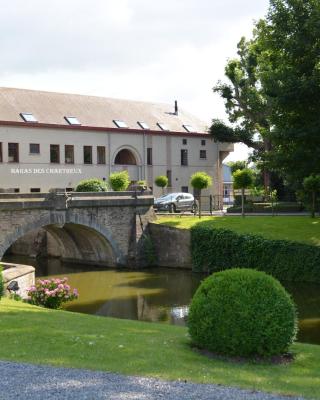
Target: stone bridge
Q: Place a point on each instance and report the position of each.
(103, 228)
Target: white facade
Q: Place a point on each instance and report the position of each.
(23, 169)
(35, 171)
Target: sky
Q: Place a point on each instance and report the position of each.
(146, 50)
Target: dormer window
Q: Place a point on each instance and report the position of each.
(189, 128)
(143, 125)
(72, 120)
(120, 124)
(162, 126)
(28, 117)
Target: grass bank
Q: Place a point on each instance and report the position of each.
(59, 338)
(301, 229)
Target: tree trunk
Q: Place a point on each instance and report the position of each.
(242, 202)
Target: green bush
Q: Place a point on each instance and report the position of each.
(1, 282)
(219, 249)
(119, 181)
(267, 208)
(242, 312)
(161, 181)
(92, 185)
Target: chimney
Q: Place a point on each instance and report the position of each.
(176, 110)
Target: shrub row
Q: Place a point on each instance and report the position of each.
(219, 249)
(1, 282)
(266, 207)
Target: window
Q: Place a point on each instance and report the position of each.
(35, 190)
(184, 157)
(101, 155)
(16, 190)
(69, 154)
(143, 125)
(203, 154)
(34, 148)
(13, 152)
(169, 176)
(54, 153)
(203, 142)
(87, 154)
(28, 117)
(188, 128)
(184, 189)
(69, 189)
(163, 127)
(149, 156)
(72, 120)
(184, 141)
(1, 152)
(120, 124)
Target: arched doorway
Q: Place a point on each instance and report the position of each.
(125, 157)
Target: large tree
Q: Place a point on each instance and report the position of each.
(246, 103)
(273, 94)
(289, 70)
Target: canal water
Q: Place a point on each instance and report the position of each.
(157, 294)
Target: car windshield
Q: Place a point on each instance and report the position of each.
(167, 197)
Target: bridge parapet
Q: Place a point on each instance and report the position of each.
(65, 200)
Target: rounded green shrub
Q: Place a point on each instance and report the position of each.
(92, 185)
(119, 181)
(161, 181)
(242, 312)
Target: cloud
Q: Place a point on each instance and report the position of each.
(139, 49)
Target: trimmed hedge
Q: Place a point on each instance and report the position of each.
(266, 207)
(242, 312)
(219, 249)
(1, 282)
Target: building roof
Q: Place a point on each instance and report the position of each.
(227, 176)
(97, 112)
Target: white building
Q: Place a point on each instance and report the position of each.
(54, 140)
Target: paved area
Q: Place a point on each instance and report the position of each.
(26, 381)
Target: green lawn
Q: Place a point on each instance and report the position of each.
(301, 228)
(60, 338)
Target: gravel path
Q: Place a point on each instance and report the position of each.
(26, 381)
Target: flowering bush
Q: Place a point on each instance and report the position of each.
(51, 293)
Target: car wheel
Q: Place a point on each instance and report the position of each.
(194, 208)
(172, 208)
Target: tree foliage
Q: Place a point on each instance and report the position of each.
(272, 96)
(242, 179)
(311, 186)
(200, 180)
(119, 181)
(235, 165)
(290, 73)
(161, 181)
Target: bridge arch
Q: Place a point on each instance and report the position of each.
(78, 237)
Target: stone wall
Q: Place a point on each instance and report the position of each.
(87, 227)
(172, 246)
(23, 274)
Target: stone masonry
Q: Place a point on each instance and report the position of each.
(102, 228)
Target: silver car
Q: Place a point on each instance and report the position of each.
(176, 202)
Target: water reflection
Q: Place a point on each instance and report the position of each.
(156, 295)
